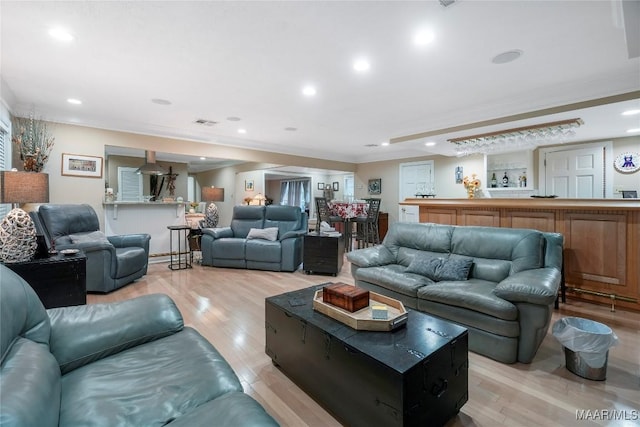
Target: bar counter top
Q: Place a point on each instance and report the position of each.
(532, 202)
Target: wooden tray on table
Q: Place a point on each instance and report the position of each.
(362, 320)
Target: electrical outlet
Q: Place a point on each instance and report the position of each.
(617, 189)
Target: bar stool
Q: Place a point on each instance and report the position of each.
(183, 260)
(367, 226)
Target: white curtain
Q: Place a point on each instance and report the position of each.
(295, 193)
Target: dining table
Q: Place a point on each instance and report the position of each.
(347, 211)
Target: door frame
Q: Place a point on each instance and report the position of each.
(607, 146)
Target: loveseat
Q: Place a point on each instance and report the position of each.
(259, 238)
(500, 283)
(131, 363)
(112, 261)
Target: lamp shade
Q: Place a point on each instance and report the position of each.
(24, 187)
(212, 194)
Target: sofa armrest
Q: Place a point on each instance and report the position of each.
(87, 247)
(293, 234)
(130, 240)
(83, 334)
(371, 257)
(218, 233)
(537, 286)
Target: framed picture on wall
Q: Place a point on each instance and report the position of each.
(80, 165)
(248, 185)
(336, 186)
(321, 186)
(375, 186)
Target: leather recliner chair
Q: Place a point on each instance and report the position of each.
(129, 363)
(112, 261)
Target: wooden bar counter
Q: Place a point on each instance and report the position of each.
(601, 237)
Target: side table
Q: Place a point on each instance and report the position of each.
(182, 258)
(322, 254)
(59, 280)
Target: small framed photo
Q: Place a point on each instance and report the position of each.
(321, 186)
(80, 165)
(375, 186)
(248, 185)
(336, 186)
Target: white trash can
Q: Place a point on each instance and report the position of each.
(586, 346)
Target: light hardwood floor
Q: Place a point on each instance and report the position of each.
(227, 307)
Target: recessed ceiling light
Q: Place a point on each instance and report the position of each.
(430, 144)
(234, 119)
(423, 37)
(242, 131)
(508, 56)
(309, 90)
(631, 112)
(384, 144)
(361, 65)
(161, 101)
(74, 101)
(633, 130)
(203, 158)
(291, 129)
(61, 34)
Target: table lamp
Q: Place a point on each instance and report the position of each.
(260, 198)
(212, 194)
(18, 242)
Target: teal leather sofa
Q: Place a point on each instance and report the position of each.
(506, 298)
(131, 363)
(231, 247)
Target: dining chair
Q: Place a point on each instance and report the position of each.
(324, 214)
(367, 231)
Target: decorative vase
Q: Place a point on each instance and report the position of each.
(18, 241)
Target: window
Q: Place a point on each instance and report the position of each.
(296, 193)
(129, 184)
(349, 192)
(191, 188)
(5, 159)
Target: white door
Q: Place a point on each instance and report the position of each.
(415, 178)
(572, 172)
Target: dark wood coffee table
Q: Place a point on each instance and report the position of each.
(416, 375)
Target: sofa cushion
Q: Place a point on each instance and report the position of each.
(88, 237)
(269, 233)
(439, 269)
(393, 277)
(263, 250)
(245, 218)
(285, 218)
(473, 294)
(150, 384)
(228, 248)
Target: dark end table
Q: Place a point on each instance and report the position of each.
(59, 280)
(322, 254)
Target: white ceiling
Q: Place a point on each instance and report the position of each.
(215, 60)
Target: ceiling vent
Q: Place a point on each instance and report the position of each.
(150, 166)
(205, 122)
(370, 145)
(447, 3)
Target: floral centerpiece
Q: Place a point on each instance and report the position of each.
(472, 185)
(34, 142)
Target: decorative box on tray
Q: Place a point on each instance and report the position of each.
(351, 298)
(363, 319)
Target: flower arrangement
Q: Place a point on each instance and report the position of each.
(472, 185)
(194, 205)
(34, 142)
